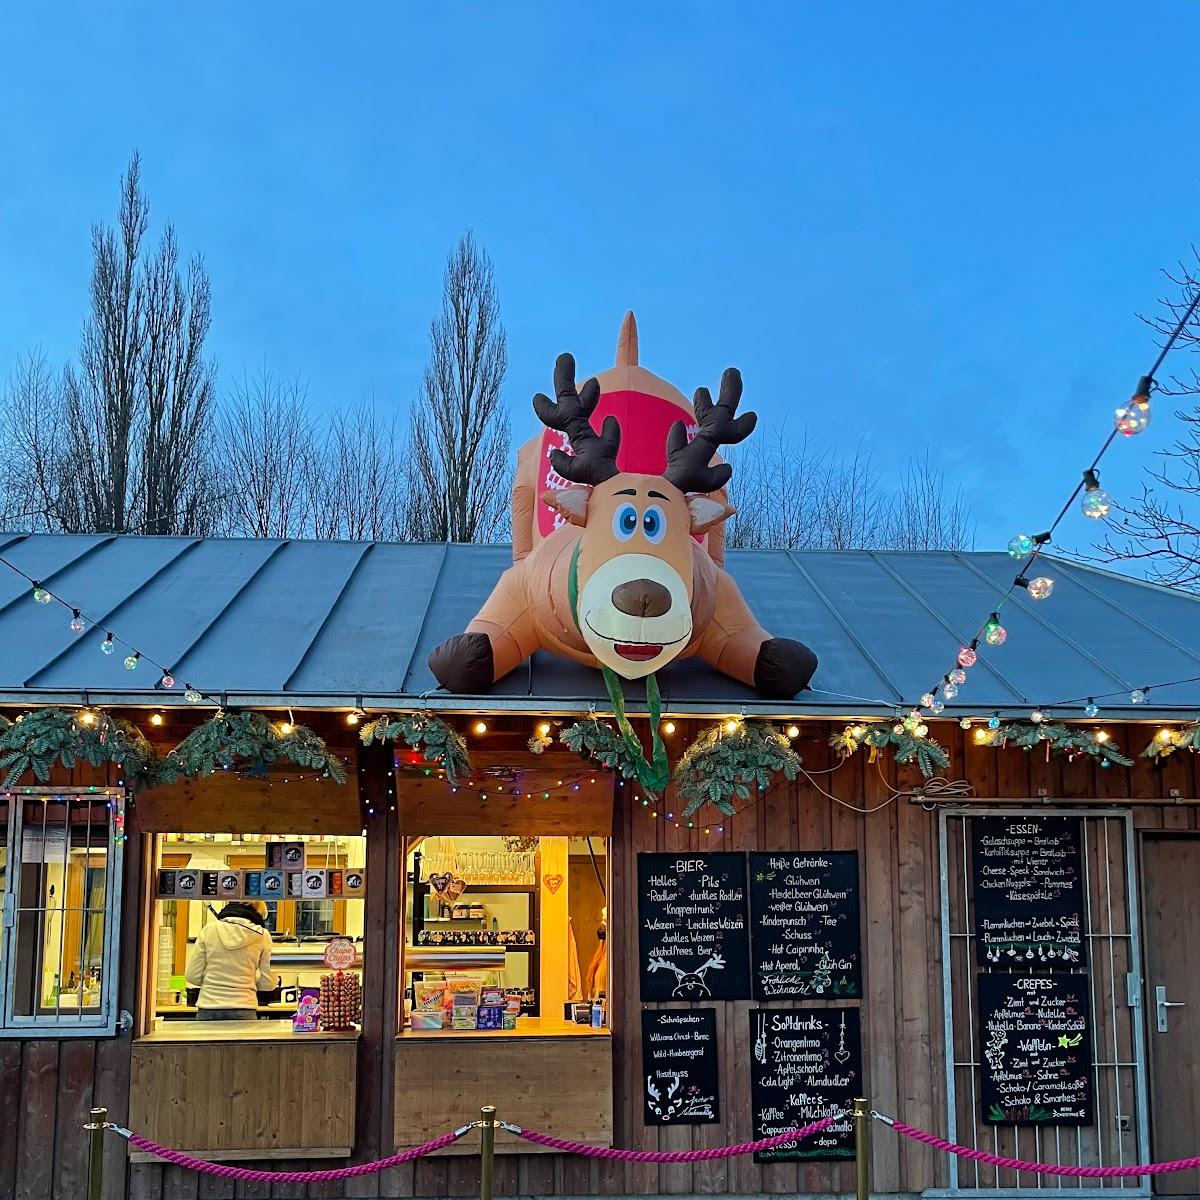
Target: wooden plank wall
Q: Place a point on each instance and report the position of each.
(46, 1087)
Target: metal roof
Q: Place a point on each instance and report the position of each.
(337, 624)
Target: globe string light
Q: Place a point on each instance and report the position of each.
(80, 621)
(1131, 418)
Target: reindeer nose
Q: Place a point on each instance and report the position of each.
(642, 598)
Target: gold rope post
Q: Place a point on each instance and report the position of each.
(487, 1150)
(862, 1148)
(95, 1130)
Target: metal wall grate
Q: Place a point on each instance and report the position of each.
(1119, 1135)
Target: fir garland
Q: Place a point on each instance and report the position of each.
(1059, 738)
(597, 741)
(909, 746)
(248, 743)
(38, 740)
(719, 766)
(425, 732)
(1167, 741)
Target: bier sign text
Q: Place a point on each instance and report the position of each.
(679, 1067)
(1036, 1049)
(805, 1065)
(805, 925)
(693, 936)
(1028, 891)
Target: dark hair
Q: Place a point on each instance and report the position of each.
(236, 909)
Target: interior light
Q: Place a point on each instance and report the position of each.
(480, 727)
(1101, 736)
(668, 727)
(286, 727)
(156, 719)
(793, 731)
(731, 726)
(544, 729)
(352, 718)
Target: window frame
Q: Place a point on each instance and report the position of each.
(83, 1023)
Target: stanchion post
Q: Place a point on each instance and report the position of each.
(487, 1150)
(95, 1130)
(862, 1148)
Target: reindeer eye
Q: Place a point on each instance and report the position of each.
(625, 522)
(654, 524)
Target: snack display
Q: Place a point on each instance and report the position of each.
(341, 1001)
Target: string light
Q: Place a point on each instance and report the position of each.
(668, 728)
(993, 632)
(192, 696)
(1132, 418)
(1096, 502)
(167, 681)
(731, 726)
(1101, 735)
(1138, 695)
(1091, 709)
(544, 728)
(793, 731)
(1039, 588)
(156, 718)
(78, 624)
(353, 718)
(285, 728)
(87, 717)
(967, 656)
(1165, 736)
(131, 661)
(108, 645)
(480, 728)
(1020, 546)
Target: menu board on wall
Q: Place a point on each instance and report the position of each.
(1028, 890)
(804, 923)
(693, 936)
(679, 1067)
(1036, 1049)
(806, 1064)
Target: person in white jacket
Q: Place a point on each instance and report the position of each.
(231, 963)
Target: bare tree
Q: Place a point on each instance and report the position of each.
(32, 446)
(457, 461)
(123, 445)
(792, 495)
(354, 478)
(1159, 530)
(268, 451)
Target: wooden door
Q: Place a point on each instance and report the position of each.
(1171, 881)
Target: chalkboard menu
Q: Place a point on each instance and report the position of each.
(806, 1064)
(1028, 890)
(679, 1067)
(804, 925)
(693, 938)
(1036, 1049)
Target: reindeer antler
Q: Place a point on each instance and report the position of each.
(660, 964)
(715, 962)
(687, 462)
(595, 457)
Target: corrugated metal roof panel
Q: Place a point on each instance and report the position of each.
(322, 623)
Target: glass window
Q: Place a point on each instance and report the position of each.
(60, 882)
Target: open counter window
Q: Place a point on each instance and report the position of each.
(506, 934)
(256, 928)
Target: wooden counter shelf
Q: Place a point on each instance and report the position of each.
(547, 1075)
(244, 1090)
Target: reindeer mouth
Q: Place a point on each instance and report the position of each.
(638, 651)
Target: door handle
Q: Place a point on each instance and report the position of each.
(1162, 1004)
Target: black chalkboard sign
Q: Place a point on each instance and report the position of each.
(1028, 891)
(679, 1067)
(805, 1064)
(805, 934)
(693, 936)
(1036, 1049)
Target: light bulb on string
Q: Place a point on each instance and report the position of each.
(1040, 588)
(967, 656)
(936, 706)
(1096, 502)
(1134, 417)
(1165, 736)
(167, 680)
(131, 661)
(949, 690)
(156, 718)
(994, 721)
(1091, 709)
(668, 728)
(107, 646)
(993, 632)
(793, 731)
(958, 676)
(78, 624)
(981, 735)
(1021, 546)
(927, 700)
(965, 723)
(1138, 696)
(479, 728)
(1037, 716)
(192, 696)
(921, 730)
(1101, 736)
(544, 729)
(40, 595)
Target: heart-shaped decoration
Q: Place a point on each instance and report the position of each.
(455, 888)
(440, 882)
(552, 882)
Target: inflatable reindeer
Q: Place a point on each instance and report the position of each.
(624, 582)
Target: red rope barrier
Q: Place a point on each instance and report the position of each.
(227, 1172)
(1020, 1164)
(667, 1156)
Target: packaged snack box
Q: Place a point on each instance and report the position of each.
(489, 1016)
(426, 1020)
(429, 996)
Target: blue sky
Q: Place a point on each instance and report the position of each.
(927, 224)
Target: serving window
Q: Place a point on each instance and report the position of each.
(306, 892)
(505, 933)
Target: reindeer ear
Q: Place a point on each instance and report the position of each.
(571, 503)
(707, 512)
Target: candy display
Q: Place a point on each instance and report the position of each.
(341, 1001)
